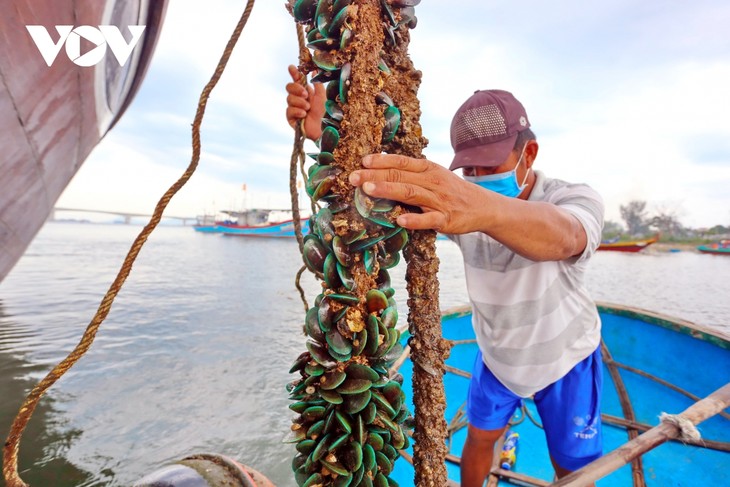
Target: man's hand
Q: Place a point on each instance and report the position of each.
(448, 202)
(305, 103)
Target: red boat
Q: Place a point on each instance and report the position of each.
(52, 116)
(628, 246)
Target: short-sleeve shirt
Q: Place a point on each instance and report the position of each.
(534, 321)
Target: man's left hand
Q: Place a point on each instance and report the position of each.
(447, 201)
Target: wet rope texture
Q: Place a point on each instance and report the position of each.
(12, 444)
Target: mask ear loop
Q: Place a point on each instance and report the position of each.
(524, 181)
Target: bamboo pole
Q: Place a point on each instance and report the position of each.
(698, 412)
(702, 443)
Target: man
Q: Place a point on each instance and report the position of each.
(526, 240)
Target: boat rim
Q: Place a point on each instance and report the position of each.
(702, 332)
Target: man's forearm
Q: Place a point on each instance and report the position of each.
(536, 230)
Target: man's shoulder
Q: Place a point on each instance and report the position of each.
(550, 188)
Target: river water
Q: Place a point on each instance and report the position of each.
(195, 352)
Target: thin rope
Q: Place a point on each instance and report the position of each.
(12, 444)
(528, 415)
(298, 149)
(297, 161)
(298, 285)
(305, 58)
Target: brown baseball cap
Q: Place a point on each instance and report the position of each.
(485, 128)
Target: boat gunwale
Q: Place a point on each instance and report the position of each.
(686, 327)
(680, 325)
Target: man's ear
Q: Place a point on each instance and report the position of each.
(531, 149)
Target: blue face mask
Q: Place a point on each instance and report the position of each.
(504, 183)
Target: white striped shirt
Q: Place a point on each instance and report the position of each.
(534, 321)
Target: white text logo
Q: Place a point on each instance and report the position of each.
(71, 37)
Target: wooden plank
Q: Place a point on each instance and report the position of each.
(698, 412)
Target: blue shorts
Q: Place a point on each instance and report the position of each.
(569, 409)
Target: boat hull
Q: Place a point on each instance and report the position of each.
(52, 117)
(714, 249)
(632, 246)
(276, 230)
(693, 359)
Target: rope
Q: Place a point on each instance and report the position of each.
(297, 159)
(300, 289)
(10, 451)
(687, 430)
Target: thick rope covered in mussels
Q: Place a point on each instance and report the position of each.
(428, 348)
(350, 413)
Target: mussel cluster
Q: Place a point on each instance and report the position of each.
(351, 412)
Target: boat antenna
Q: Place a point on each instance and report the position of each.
(361, 53)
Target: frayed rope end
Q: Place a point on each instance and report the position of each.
(687, 430)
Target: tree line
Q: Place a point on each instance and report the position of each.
(639, 222)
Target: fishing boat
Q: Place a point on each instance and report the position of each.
(722, 248)
(210, 224)
(652, 364)
(51, 117)
(252, 223)
(629, 245)
(277, 229)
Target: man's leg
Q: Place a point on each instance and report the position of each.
(570, 410)
(489, 407)
(476, 458)
(561, 472)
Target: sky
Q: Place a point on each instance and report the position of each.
(630, 97)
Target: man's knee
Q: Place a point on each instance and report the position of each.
(483, 437)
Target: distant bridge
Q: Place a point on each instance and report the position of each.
(186, 220)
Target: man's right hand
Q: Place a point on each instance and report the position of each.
(305, 102)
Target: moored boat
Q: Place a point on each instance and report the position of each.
(252, 223)
(628, 246)
(210, 224)
(276, 229)
(663, 365)
(51, 117)
(721, 248)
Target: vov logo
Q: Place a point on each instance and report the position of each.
(101, 37)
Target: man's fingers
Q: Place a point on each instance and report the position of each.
(297, 90)
(395, 161)
(297, 102)
(296, 76)
(319, 90)
(430, 220)
(361, 176)
(410, 194)
(293, 115)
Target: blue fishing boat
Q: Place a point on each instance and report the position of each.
(720, 248)
(652, 364)
(251, 223)
(277, 229)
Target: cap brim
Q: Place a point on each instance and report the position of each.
(486, 155)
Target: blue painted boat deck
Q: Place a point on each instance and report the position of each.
(697, 366)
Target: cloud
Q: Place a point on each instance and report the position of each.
(630, 98)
